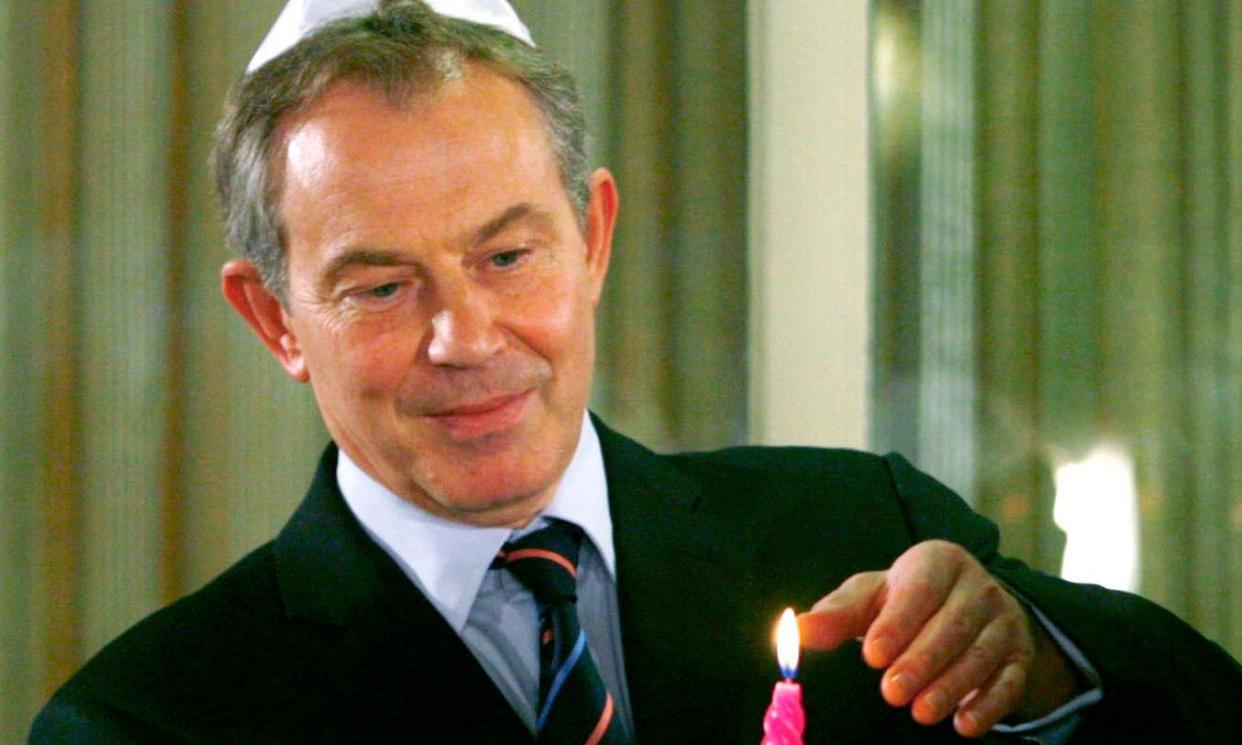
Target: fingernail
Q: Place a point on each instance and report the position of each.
(934, 703)
(968, 722)
(883, 650)
(899, 687)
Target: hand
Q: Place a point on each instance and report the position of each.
(951, 637)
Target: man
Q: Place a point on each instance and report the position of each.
(423, 244)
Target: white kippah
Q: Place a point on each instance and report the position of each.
(300, 17)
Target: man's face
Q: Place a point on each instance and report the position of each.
(441, 292)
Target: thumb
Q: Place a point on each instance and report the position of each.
(846, 613)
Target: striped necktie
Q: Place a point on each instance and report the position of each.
(574, 705)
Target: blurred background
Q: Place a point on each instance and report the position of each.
(1002, 237)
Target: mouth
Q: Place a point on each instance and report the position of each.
(479, 418)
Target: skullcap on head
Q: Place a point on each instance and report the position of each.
(301, 17)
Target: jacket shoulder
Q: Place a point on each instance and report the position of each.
(788, 461)
(800, 478)
(214, 655)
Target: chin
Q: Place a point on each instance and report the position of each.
(478, 490)
(503, 465)
(493, 510)
(502, 485)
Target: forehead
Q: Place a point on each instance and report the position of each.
(473, 141)
(356, 118)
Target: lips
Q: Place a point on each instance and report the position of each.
(480, 418)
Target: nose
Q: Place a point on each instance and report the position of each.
(463, 329)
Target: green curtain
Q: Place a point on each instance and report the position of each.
(148, 440)
(672, 359)
(134, 404)
(1106, 304)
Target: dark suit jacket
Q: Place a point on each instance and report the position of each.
(319, 637)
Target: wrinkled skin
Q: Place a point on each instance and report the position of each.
(441, 291)
(951, 639)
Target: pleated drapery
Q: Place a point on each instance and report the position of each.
(1103, 303)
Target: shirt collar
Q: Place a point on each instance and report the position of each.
(447, 560)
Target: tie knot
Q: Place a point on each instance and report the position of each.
(546, 561)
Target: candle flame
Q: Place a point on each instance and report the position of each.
(788, 644)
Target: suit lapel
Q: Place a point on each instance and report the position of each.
(396, 663)
(697, 605)
(687, 641)
(404, 671)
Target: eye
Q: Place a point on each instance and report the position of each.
(506, 259)
(383, 291)
(375, 297)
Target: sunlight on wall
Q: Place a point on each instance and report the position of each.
(1097, 507)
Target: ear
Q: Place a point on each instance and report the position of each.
(244, 289)
(601, 219)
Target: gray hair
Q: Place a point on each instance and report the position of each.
(403, 49)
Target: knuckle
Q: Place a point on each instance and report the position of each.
(857, 581)
(979, 656)
(1025, 655)
(1011, 684)
(1008, 625)
(1015, 628)
(936, 549)
(922, 588)
(852, 589)
(917, 664)
(961, 627)
(848, 593)
(950, 549)
(993, 596)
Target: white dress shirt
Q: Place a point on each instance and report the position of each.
(490, 609)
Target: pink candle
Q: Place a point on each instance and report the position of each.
(784, 722)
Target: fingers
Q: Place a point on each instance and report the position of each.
(964, 680)
(918, 585)
(958, 634)
(951, 637)
(971, 656)
(993, 702)
(844, 614)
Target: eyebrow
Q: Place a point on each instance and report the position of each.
(357, 257)
(516, 213)
(339, 265)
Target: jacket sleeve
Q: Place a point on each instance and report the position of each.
(69, 720)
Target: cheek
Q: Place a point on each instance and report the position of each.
(360, 361)
(557, 320)
(382, 363)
